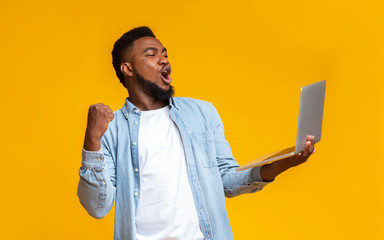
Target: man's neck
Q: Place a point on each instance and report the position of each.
(146, 103)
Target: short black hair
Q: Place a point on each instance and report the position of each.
(123, 43)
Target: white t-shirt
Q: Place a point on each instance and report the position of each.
(166, 207)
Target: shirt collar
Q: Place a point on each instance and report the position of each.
(129, 107)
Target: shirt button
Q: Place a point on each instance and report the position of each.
(99, 159)
(134, 143)
(136, 194)
(135, 122)
(136, 111)
(103, 183)
(136, 169)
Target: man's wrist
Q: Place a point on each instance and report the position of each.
(92, 144)
(270, 171)
(281, 165)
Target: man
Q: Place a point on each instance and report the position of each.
(164, 159)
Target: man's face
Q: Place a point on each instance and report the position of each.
(151, 67)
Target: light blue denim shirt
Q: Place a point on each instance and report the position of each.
(113, 172)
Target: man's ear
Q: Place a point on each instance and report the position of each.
(126, 69)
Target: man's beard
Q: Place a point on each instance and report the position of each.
(153, 89)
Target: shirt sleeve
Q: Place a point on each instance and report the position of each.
(234, 183)
(96, 188)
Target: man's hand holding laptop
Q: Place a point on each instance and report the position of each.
(270, 171)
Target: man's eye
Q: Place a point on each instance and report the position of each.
(151, 55)
(165, 56)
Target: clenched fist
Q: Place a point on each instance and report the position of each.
(99, 116)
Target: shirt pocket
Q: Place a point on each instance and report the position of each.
(204, 148)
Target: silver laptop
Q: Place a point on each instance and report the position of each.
(310, 123)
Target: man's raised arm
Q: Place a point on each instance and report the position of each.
(96, 189)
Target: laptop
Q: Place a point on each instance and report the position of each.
(310, 123)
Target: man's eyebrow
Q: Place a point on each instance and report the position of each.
(154, 49)
(151, 48)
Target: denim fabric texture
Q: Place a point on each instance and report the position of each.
(113, 172)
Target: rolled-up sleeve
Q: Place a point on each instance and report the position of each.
(96, 189)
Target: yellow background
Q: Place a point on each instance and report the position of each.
(249, 58)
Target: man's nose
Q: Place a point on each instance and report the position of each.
(163, 60)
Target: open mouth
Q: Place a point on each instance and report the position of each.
(166, 74)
